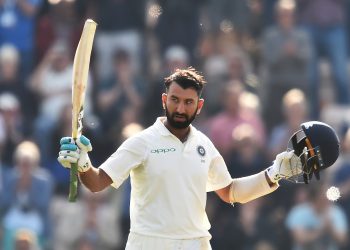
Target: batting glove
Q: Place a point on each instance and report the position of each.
(285, 166)
(75, 152)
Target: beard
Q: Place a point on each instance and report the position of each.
(179, 124)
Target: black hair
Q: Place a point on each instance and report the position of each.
(186, 78)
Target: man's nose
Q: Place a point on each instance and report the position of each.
(181, 108)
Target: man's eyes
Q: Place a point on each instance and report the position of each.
(187, 102)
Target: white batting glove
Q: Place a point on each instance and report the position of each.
(285, 166)
(75, 152)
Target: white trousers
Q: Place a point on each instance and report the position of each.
(142, 242)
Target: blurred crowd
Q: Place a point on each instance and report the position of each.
(270, 65)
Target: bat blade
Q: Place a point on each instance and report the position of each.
(79, 82)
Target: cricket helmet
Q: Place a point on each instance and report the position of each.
(317, 145)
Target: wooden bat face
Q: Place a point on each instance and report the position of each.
(80, 76)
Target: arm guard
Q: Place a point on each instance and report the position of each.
(248, 188)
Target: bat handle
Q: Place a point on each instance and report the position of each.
(73, 183)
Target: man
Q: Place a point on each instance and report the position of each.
(317, 223)
(20, 206)
(325, 22)
(17, 27)
(172, 166)
(286, 52)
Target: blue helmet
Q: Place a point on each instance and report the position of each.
(317, 145)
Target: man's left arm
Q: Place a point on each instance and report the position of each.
(245, 189)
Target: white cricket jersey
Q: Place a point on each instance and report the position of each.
(169, 181)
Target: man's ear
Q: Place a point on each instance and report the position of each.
(200, 105)
(164, 97)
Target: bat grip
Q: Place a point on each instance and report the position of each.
(73, 183)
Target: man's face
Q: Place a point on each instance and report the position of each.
(286, 18)
(181, 105)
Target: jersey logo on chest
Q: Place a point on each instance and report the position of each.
(201, 151)
(162, 150)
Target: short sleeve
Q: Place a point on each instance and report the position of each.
(128, 156)
(218, 176)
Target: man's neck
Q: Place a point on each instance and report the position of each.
(181, 133)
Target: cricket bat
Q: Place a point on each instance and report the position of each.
(79, 81)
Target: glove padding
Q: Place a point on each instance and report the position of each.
(285, 166)
(75, 152)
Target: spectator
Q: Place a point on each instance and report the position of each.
(52, 82)
(182, 18)
(247, 157)
(216, 71)
(249, 226)
(27, 198)
(252, 34)
(11, 82)
(60, 21)
(233, 114)
(325, 21)
(122, 89)
(17, 27)
(240, 67)
(319, 223)
(223, 12)
(9, 64)
(26, 240)
(11, 127)
(295, 111)
(120, 27)
(98, 224)
(227, 61)
(286, 51)
(252, 227)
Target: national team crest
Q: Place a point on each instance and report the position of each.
(201, 150)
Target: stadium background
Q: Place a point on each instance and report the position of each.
(260, 62)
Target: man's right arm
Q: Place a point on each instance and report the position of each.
(95, 179)
(130, 155)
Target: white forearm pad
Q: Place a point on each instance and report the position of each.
(249, 188)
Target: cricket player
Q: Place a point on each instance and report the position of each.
(172, 166)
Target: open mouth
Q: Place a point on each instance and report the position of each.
(180, 118)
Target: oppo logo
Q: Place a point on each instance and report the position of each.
(162, 150)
